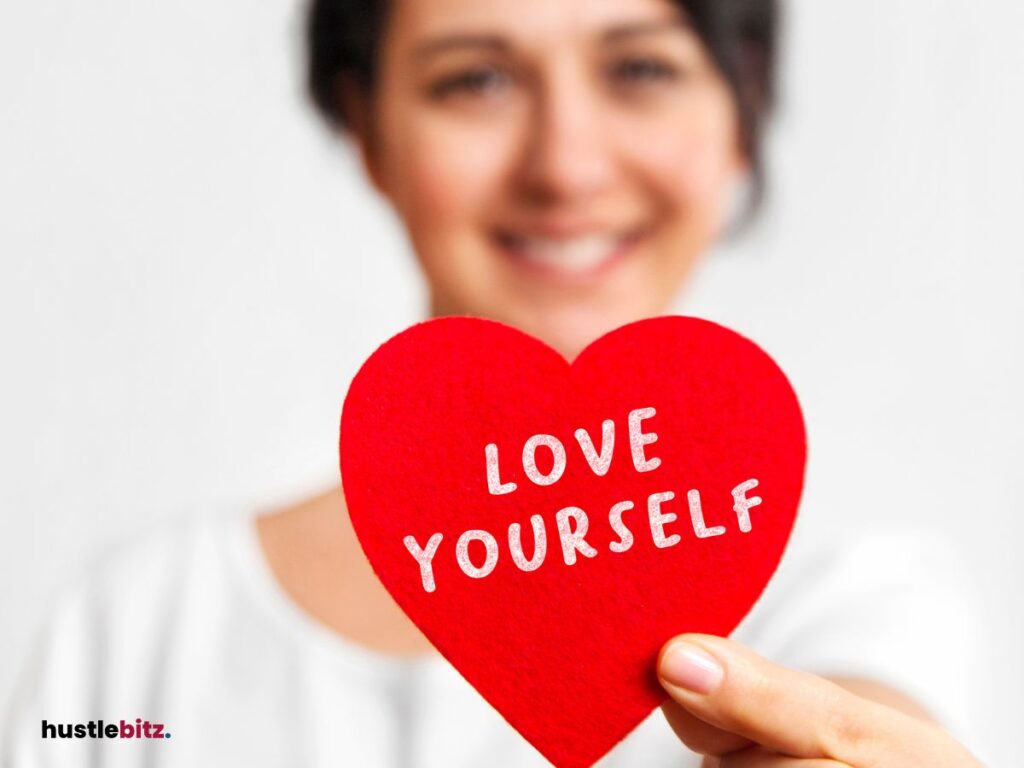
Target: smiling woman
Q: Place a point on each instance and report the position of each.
(560, 166)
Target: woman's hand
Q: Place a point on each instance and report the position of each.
(745, 712)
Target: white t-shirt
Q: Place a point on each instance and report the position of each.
(190, 630)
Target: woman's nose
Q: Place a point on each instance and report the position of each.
(567, 157)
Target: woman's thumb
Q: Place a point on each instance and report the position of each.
(733, 689)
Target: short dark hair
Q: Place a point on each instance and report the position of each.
(741, 36)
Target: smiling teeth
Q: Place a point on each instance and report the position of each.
(577, 254)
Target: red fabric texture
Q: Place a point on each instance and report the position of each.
(566, 653)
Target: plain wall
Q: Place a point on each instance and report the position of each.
(191, 269)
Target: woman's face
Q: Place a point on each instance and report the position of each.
(559, 166)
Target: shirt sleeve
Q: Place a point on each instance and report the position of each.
(56, 685)
(98, 656)
(891, 606)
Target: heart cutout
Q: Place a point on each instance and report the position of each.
(566, 652)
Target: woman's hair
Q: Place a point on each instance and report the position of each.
(343, 37)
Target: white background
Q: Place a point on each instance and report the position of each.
(191, 269)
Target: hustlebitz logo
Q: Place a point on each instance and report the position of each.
(96, 729)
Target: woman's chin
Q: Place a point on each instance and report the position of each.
(569, 332)
(568, 327)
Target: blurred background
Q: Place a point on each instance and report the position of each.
(191, 269)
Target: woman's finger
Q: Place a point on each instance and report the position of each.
(794, 713)
(755, 757)
(701, 737)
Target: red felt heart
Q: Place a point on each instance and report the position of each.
(566, 652)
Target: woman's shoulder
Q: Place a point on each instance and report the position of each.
(147, 566)
(133, 606)
(860, 576)
(887, 604)
(139, 594)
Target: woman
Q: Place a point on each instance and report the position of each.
(559, 166)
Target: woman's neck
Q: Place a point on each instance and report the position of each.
(316, 558)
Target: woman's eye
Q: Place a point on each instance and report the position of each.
(642, 69)
(478, 81)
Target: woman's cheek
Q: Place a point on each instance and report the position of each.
(451, 173)
(448, 195)
(689, 155)
(701, 165)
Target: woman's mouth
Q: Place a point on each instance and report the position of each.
(569, 257)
